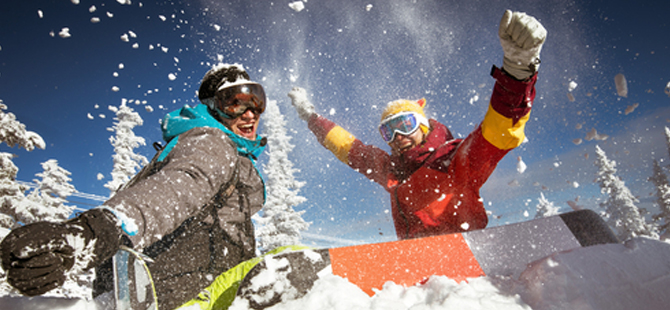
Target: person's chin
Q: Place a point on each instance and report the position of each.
(401, 150)
(248, 136)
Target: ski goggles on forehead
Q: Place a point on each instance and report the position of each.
(404, 123)
(234, 100)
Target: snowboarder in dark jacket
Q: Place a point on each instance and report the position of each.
(189, 209)
(434, 179)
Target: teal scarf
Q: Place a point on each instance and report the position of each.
(187, 118)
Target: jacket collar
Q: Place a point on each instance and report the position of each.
(431, 148)
(187, 118)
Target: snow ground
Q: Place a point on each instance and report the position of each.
(633, 275)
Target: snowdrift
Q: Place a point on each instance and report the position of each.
(632, 275)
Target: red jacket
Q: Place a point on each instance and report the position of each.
(435, 186)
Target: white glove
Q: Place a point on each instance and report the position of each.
(521, 37)
(300, 102)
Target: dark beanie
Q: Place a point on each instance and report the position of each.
(218, 75)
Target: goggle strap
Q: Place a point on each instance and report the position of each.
(209, 102)
(421, 120)
(224, 115)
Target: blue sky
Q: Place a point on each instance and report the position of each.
(352, 60)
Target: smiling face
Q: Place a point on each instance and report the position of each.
(244, 125)
(402, 143)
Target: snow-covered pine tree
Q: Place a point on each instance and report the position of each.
(545, 208)
(11, 192)
(126, 161)
(51, 192)
(13, 132)
(621, 212)
(279, 224)
(660, 180)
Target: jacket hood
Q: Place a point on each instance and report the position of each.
(187, 118)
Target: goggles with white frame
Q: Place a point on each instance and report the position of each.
(404, 123)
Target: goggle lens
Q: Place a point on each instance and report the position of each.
(236, 99)
(403, 123)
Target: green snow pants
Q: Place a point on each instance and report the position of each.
(221, 293)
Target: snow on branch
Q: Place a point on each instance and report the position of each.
(51, 193)
(14, 132)
(11, 192)
(660, 180)
(126, 161)
(44, 203)
(13, 201)
(279, 223)
(545, 208)
(622, 213)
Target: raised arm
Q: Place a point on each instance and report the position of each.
(449, 201)
(369, 160)
(521, 38)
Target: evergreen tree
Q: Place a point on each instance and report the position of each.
(51, 192)
(14, 132)
(11, 192)
(545, 208)
(279, 223)
(621, 212)
(12, 198)
(126, 162)
(660, 180)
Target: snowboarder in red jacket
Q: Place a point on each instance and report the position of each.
(434, 179)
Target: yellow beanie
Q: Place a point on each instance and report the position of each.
(404, 105)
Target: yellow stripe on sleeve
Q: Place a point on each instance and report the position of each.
(501, 132)
(339, 141)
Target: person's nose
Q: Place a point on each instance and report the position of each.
(249, 114)
(400, 137)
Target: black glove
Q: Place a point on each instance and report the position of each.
(37, 256)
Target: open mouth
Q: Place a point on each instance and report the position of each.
(246, 129)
